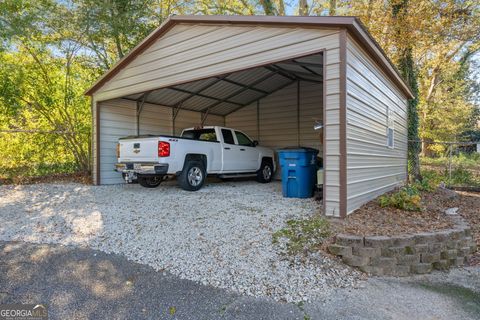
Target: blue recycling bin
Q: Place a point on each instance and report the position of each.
(299, 172)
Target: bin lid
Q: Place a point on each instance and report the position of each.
(297, 150)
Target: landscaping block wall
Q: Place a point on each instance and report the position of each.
(407, 254)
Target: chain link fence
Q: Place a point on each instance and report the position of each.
(457, 164)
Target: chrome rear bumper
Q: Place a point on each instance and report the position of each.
(142, 168)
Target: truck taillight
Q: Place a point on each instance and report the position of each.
(118, 150)
(163, 149)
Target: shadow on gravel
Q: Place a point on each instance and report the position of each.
(80, 283)
(466, 298)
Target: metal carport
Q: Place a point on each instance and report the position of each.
(272, 77)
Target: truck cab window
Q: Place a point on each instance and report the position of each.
(201, 134)
(243, 140)
(227, 136)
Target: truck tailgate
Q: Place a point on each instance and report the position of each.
(139, 150)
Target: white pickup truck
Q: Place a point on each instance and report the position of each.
(213, 150)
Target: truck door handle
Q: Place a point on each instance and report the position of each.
(242, 149)
(226, 148)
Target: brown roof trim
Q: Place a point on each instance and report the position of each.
(353, 24)
(343, 125)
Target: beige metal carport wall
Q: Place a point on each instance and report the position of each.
(266, 40)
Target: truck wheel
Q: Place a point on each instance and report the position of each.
(193, 176)
(150, 182)
(265, 173)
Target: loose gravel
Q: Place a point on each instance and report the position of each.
(220, 235)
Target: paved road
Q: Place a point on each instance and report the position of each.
(87, 284)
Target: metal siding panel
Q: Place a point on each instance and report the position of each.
(186, 119)
(233, 47)
(214, 120)
(155, 120)
(117, 119)
(277, 117)
(372, 167)
(332, 133)
(277, 44)
(94, 141)
(245, 120)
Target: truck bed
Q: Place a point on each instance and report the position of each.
(162, 136)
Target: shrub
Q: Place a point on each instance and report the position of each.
(462, 176)
(303, 236)
(433, 177)
(427, 184)
(407, 198)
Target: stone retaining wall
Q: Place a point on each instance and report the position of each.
(407, 254)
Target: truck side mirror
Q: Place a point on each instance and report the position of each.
(255, 143)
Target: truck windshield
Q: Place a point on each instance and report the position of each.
(200, 134)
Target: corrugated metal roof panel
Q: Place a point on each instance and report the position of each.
(290, 67)
(166, 97)
(196, 85)
(134, 96)
(315, 59)
(221, 90)
(273, 83)
(247, 96)
(198, 103)
(224, 108)
(247, 77)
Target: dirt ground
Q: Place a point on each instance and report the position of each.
(372, 219)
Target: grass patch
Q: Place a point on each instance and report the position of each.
(304, 235)
(460, 176)
(465, 169)
(19, 173)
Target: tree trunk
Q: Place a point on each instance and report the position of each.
(302, 8)
(268, 7)
(281, 7)
(332, 7)
(407, 69)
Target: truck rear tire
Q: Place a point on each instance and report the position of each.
(150, 182)
(192, 176)
(265, 173)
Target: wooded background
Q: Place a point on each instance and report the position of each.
(52, 51)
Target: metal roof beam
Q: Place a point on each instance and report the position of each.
(193, 94)
(301, 63)
(203, 95)
(172, 106)
(295, 74)
(243, 85)
(288, 75)
(309, 70)
(260, 80)
(265, 95)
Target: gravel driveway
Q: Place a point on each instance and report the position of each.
(219, 236)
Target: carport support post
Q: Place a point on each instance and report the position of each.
(139, 109)
(138, 118)
(96, 141)
(258, 120)
(298, 113)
